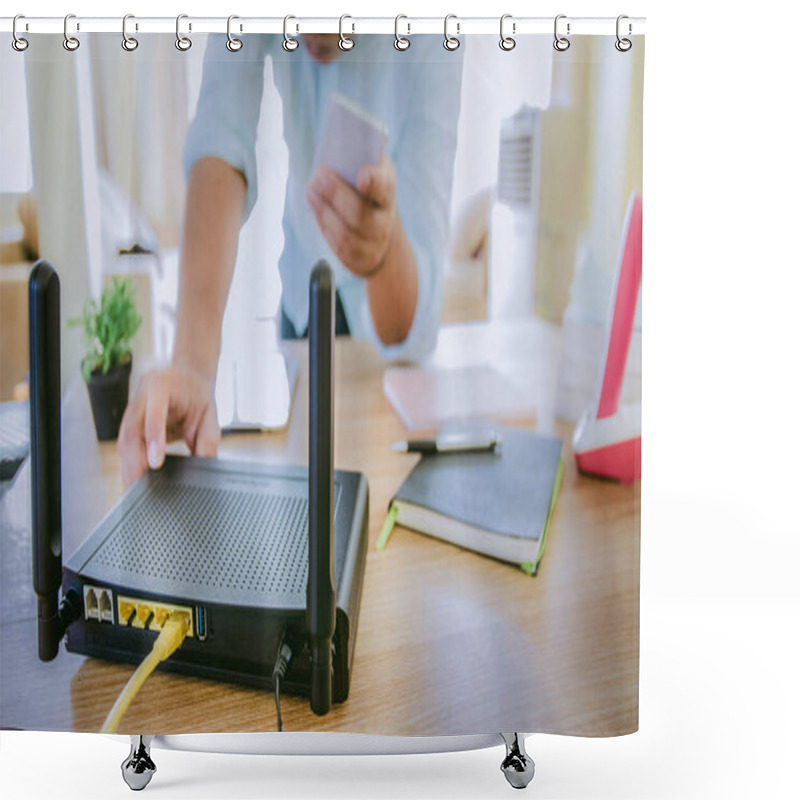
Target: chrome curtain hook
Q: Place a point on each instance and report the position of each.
(345, 42)
(400, 42)
(290, 44)
(623, 45)
(18, 43)
(182, 42)
(451, 42)
(233, 44)
(561, 43)
(129, 43)
(70, 42)
(507, 42)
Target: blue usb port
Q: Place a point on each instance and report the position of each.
(201, 623)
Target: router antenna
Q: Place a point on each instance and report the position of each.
(321, 594)
(45, 433)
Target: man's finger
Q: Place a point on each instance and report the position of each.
(352, 208)
(333, 228)
(207, 439)
(376, 182)
(155, 421)
(130, 442)
(348, 247)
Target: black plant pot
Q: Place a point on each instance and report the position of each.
(109, 396)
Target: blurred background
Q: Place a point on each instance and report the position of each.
(91, 178)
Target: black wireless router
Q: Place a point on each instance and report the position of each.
(257, 556)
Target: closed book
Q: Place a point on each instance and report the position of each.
(498, 503)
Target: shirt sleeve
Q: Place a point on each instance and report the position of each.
(423, 162)
(228, 110)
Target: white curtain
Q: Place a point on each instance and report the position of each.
(141, 116)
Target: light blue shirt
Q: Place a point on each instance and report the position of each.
(417, 96)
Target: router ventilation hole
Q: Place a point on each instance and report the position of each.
(248, 541)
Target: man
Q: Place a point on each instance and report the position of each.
(385, 237)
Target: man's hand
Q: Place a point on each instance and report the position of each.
(359, 223)
(170, 404)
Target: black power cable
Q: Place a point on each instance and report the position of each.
(282, 661)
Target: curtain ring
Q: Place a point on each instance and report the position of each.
(128, 42)
(183, 43)
(233, 44)
(70, 42)
(507, 42)
(290, 44)
(18, 43)
(400, 42)
(561, 43)
(451, 42)
(345, 42)
(623, 45)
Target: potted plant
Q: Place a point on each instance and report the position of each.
(109, 326)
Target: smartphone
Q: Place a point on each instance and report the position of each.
(350, 138)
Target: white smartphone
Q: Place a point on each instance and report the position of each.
(350, 138)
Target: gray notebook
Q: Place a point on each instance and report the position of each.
(496, 503)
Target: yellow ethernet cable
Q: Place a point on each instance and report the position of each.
(169, 640)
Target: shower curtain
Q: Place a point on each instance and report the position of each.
(480, 210)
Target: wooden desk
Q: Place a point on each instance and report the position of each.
(449, 642)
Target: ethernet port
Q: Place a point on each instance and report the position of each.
(161, 618)
(144, 616)
(127, 613)
(90, 603)
(104, 606)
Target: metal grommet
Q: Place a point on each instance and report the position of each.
(451, 42)
(18, 43)
(345, 42)
(623, 45)
(129, 43)
(561, 43)
(290, 44)
(233, 44)
(400, 42)
(70, 42)
(183, 43)
(507, 42)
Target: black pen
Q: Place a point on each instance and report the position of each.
(448, 444)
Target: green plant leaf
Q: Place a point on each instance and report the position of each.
(109, 326)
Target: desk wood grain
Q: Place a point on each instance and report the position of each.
(449, 642)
